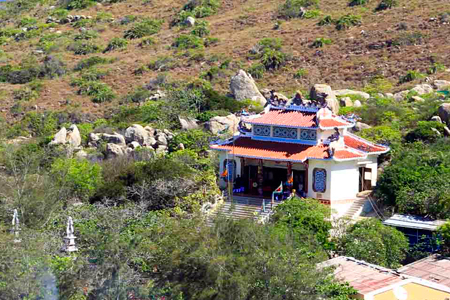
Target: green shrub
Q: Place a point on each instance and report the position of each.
(197, 140)
(147, 42)
(91, 61)
(294, 8)
(197, 9)
(27, 21)
(25, 94)
(163, 63)
(103, 17)
(188, 42)
(437, 68)
(300, 73)
(270, 43)
(98, 91)
(408, 39)
(426, 131)
(444, 232)
(386, 4)
(201, 29)
(79, 4)
(312, 14)
(77, 176)
(257, 70)
(347, 21)
(128, 19)
(358, 2)
(273, 59)
(320, 42)
(86, 35)
(327, 20)
(383, 134)
(83, 48)
(139, 95)
(211, 41)
(207, 115)
(116, 43)
(144, 28)
(59, 13)
(84, 23)
(411, 76)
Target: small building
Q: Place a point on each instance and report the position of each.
(416, 229)
(377, 283)
(434, 268)
(306, 146)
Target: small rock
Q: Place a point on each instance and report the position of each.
(94, 139)
(417, 99)
(446, 131)
(188, 123)
(114, 150)
(181, 146)
(400, 95)
(436, 131)
(74, 137)
(190, 22)
(422, 89)
(137, 133)
(346, 102)
(161, 139)
(436, 119)
(389, 95)
(150, 130)
(162, 149)
(441, 84)
(134, 145)
(357, 103)
(444, 113)
(81, 154)
(115, 138)
(219, 124)
(359, 126)
(351, 92)
(60, 137)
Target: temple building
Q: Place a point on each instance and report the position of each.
(307, 148)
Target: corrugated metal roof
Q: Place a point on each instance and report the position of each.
(414, 222)
(433, 268)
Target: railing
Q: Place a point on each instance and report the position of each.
(264, 218)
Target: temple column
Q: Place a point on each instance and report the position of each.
(260, 177)
(289, 180)
(306, 177)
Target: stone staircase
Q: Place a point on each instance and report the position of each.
(243, 207)
(356, 209)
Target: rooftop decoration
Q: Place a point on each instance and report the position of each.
(69, 239)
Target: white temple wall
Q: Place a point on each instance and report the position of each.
(320, 164)
(344, 180)
(371, 163)
(222, 158)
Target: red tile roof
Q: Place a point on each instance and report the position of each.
(360, 144)
(347, 154)
(433, 268)
(246, 147)
(364, 277)
(335, 122)
(291, 118)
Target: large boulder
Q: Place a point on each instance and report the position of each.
(115, 138)
(422, 89)
(115, 150)
(94, 139)
(74, 137)
(400, 95)
(346, 102)
(188, 123)
(319, 89)
(60, 137)
(441, 84)
(359, 126)
(243, 87)
(220, 124)
(161, 139)
(351, 92)
(444, 113)
(137, 133)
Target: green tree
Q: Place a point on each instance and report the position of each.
(444, 232)
(79, 177)
(373, 242)
(305, 217)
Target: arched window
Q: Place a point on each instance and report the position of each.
(319, 180)
(230, 164)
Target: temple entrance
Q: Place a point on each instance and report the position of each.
(365, 179)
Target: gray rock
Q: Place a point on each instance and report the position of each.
(94, 139)
(422, 89)
(417, 99)
(331, 99)
(150, 130)
(389, 95)
(190, 22)
(359, 126)
(162, 149)
(444, 113)
(436, 119)
(357, 103)
(137, 133)
(441, 84)
(114, 150)
(436, 131)
(400, 95)
(351, 92)
(74, 137)
(346, 102)
(81, 154)
(115, 138)
(218, 124)
(134, 145)
(161, 139)
(188, 123)
(446, 131)
(151, 141)
(60, 137)
(243, 87)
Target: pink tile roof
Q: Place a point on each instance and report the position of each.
(335, 122)
(246, 147)
(363, 276)
(281, 117)
(347, 154)
(432, 268)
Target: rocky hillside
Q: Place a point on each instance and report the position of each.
(49, 48)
